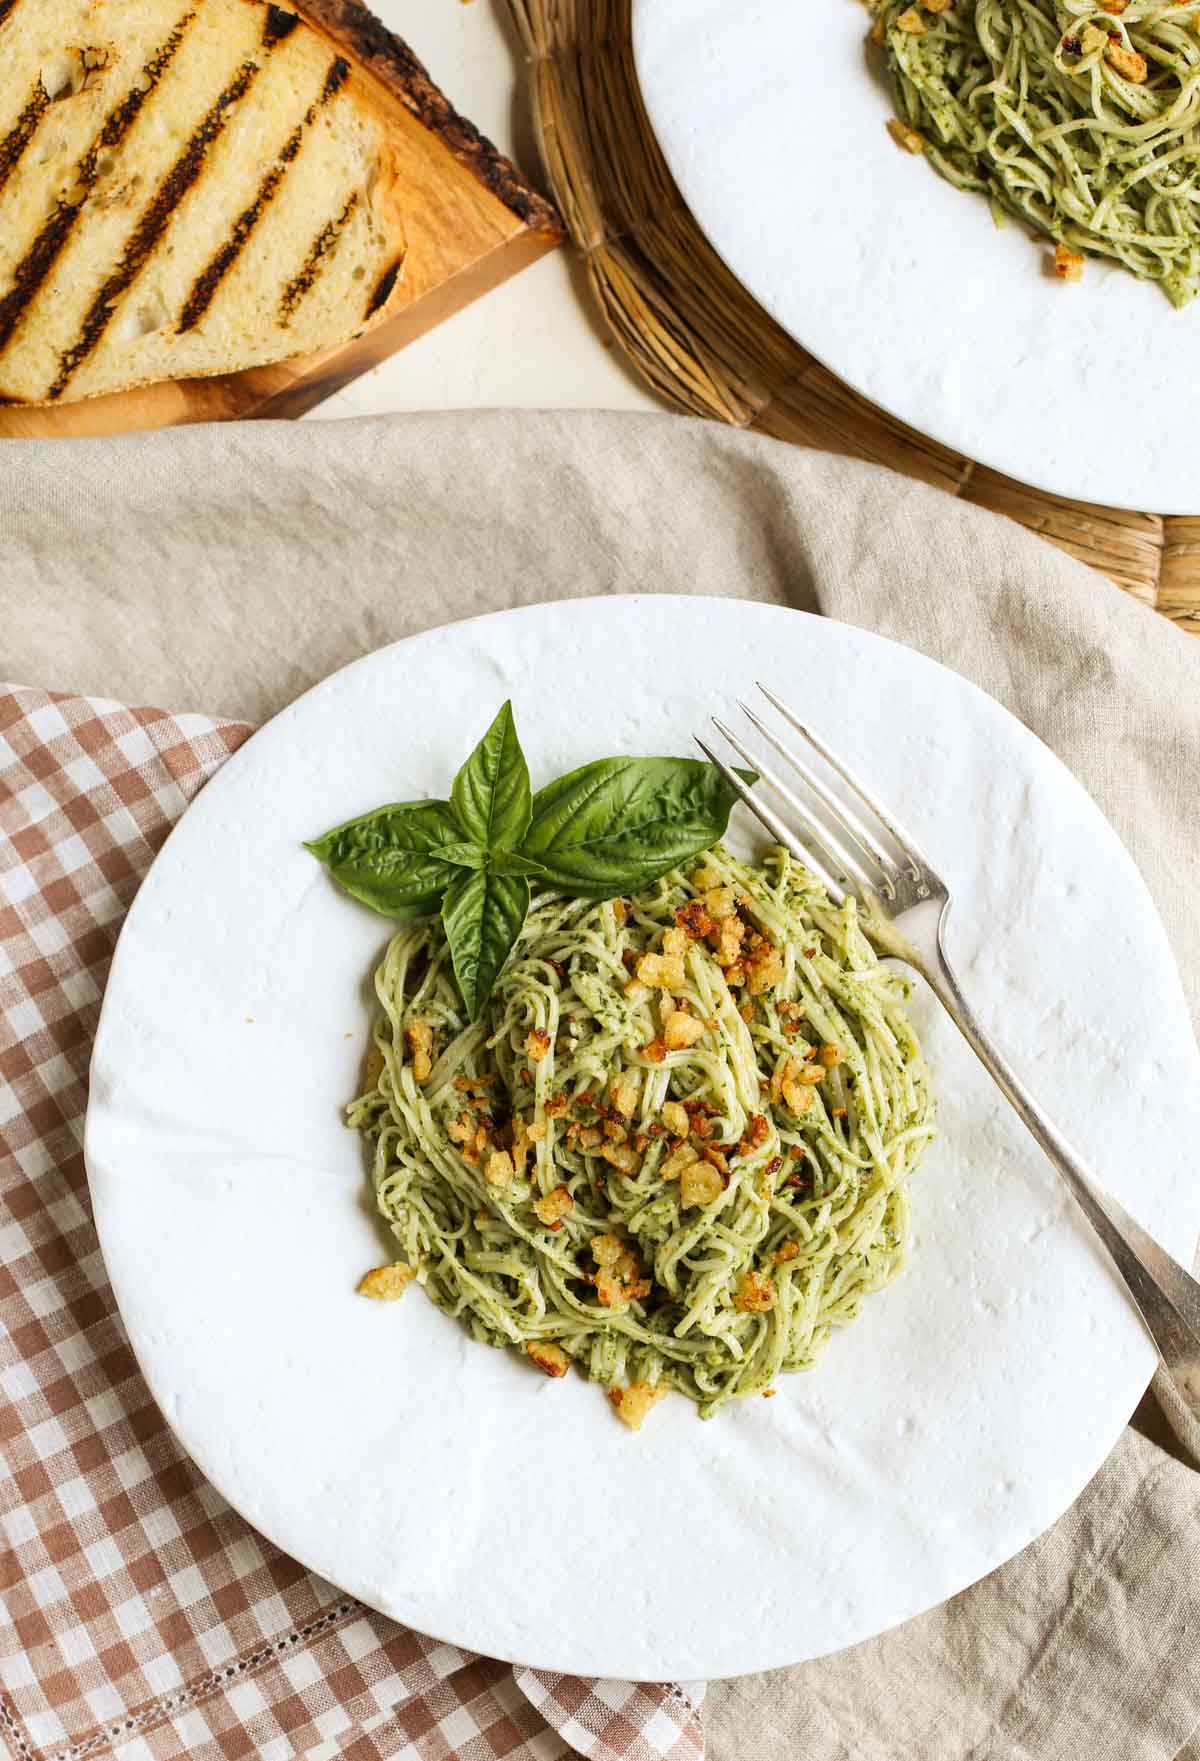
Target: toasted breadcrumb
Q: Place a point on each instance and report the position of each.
(791, 1082)
(500, 1168)
(1127, 62)
(705, 878)
(720, 903)
(694, 920)
(699, 1184)
(419, 1036)
(621, 1156)
(681, 1030)
(676, 1119)
(726, 940)
(552, 1360)
(764, 969)
(551, 1209)
(755, 1293)
(678, 1160)
(386, 1283)
(662, 971)
(756, 1133)
(633, 1403)
(625, 1092)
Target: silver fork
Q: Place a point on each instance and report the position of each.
(855, 845)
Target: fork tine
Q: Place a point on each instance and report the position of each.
(767, 817)
(907, 844)
(843, 859)
(842, 814)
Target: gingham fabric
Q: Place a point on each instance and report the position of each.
(142, 1619)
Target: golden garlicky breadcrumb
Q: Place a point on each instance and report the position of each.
(552, 1360)
(386, 1283)
(419, 1035)
(633, 1403)
(551, 1209)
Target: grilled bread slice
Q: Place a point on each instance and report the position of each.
(187, 187)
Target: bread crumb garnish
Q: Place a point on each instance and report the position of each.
(551, 1359)
(633, 1403)
(386, 1283)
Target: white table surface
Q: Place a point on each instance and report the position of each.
(537, 341)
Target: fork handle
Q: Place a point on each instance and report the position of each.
(1166, 1296)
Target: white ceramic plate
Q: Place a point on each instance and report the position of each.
(451, 1485)
(773, 123)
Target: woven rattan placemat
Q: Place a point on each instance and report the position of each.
(707, 346)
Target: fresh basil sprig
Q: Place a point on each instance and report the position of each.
(608, 828)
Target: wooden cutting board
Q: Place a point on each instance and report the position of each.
(471, 222)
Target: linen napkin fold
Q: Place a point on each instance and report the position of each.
(231, 568)
(143, 1618)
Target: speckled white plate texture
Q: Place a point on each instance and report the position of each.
(452, 1486)
(772, 119)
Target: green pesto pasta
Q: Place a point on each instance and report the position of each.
(570, 1172)
(1080, 121)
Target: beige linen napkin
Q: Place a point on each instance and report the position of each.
(226, 569)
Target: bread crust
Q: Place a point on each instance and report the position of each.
(371, 46)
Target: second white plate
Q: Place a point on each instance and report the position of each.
(772, 121)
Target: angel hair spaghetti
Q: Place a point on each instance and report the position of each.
(674, 1148)
(1081, 120)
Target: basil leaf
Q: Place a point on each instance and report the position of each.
(391, 859)
(464, 855)
(482, 914)
(512, 862)
(491, 793)
(620, 823)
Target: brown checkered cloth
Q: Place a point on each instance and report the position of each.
(142, 1619)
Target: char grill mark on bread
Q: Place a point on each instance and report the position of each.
(6, 6)
(204, 290)
(211, 276)
(40, 258)
(322, 248)
(19, 136)
(279, 24)
(153, 224)
(383, 291)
